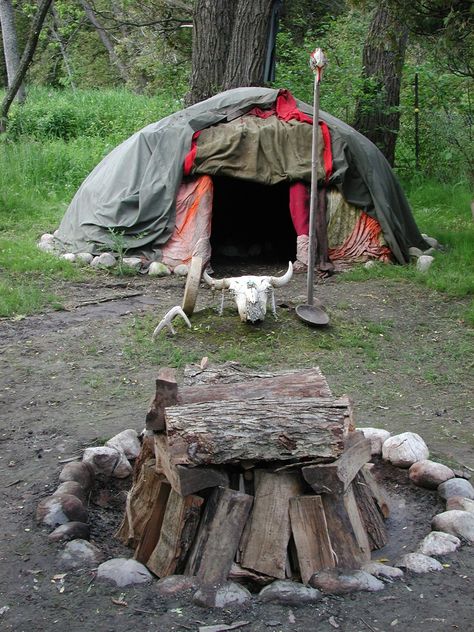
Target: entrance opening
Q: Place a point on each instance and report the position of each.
(251, 221)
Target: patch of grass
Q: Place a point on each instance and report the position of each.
(25, 299)
(285, 342)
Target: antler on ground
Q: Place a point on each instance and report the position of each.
(168, 317)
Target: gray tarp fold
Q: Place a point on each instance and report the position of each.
(133, 189)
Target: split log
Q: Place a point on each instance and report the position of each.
(335, 478)
(166, 394)
(370, 513)
(343, 525)
(186, 480)
(226, 432)
(311, 536)
(297, 384)
(378, 494)
(218, 536)
(140, 504)
(177, 534)
(266, 548)
(152, 527)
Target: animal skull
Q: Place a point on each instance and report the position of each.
(251, 293)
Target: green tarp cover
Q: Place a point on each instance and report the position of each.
(133, 189)
(264, 150)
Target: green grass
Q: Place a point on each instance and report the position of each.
(223, 338)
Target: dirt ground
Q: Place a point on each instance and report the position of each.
(66, 383)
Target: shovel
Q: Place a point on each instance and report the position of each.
(309, 313)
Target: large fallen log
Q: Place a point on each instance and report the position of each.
(297, 384)
(226, 432)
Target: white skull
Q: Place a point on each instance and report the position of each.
(251, 293)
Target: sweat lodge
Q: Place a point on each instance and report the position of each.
(232, 175)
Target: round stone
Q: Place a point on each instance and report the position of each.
(340, 582)
(419, 563)
(404, 449)
(59, 509)
(79, 554)
(158, 269)
(429, 474)
(377, 437)
(126, 441)
(424, 263)
(84, 257)
(124, 572)
(439, 543)
(73, 488)
(79, 471)
(377, 569)
(456, 487)
(226, 595)
(68, 256)
(174, 584)
(458, 523)
(460, 503)
(289, 593)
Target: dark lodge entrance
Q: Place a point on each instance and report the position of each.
(251, 221)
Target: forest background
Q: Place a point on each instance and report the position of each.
(103, 69)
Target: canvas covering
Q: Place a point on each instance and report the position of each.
(133, 190)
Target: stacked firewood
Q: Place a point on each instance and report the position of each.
(252, 478)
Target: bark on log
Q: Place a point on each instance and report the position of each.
(370, 513)
(257, 430)
(294, 384)
(378, 493)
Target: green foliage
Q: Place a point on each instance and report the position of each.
(41, 166)
(110, 116)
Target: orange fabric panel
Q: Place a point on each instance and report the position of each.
(362, 243)
(193, 223)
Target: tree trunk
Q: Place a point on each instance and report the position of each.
(229, 45)
(10, 45)
(377, 113)
(105, 39)
(25, 61)
(213, 22)
(247, 51)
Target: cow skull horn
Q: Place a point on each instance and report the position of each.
(283, 280)
(218, 284)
